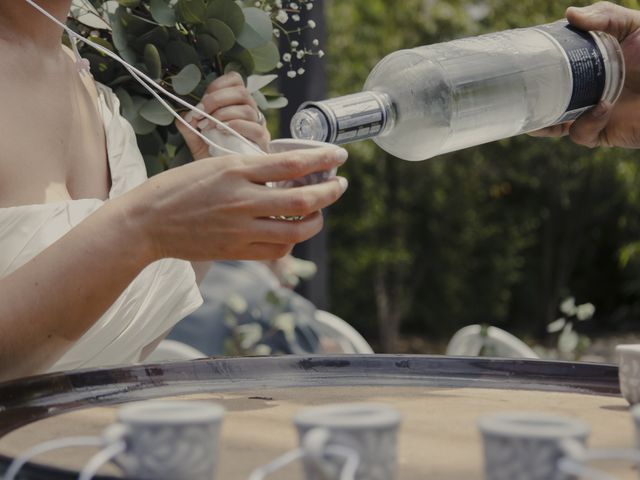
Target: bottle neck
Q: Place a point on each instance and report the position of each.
(345, 119)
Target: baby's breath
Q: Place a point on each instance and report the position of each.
(289, 24)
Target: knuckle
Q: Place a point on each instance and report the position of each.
(301, 203)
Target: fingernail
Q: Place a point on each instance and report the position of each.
(599, 110)
(341, 155)
(344, 183)
(197, 115)
(204, 125)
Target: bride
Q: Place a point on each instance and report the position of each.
(94, 258)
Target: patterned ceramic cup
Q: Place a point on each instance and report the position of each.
(343, 442)
(527, 446)
(168, 439)
(629, 372)
(369, 430)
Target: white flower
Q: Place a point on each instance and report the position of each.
(568, 307)
(311, 24)
(300, 54)
(315, 42)
(282, 16)
(268, 9)
(556, 325)
(291, 74)
(279, 65)
(320, 53)
(276, 33)
(278, 3)
(585, 311)
(295, 44)
(293, 6)
(286, 57)
(295, 17)
(309, 6)
(301, 71)
(257, 4)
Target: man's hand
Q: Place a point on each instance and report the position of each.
(607, 125)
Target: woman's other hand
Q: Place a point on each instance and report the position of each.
(228, 100)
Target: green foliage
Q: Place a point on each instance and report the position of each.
(497, 234)
(182, 44)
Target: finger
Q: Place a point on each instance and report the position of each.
(287, 232)
(190, 138)
(605, 17)
(232, 79)
(253, 131)
(227, 97)
(560, 130)
(236, 112)
(299, 201)
(590, 128)
(293, 164)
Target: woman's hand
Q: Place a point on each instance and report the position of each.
(228, 100)
(220, 208)
(607, 125)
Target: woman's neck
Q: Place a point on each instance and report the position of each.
(21, 23)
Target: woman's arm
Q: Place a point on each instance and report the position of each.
(207, 210)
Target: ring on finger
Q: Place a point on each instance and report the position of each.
(260, 120)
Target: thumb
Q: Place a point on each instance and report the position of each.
(590, 128)
(605, 17)
(193, 141)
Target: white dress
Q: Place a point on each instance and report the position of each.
(157, 299)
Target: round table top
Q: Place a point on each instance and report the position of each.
(439, 399)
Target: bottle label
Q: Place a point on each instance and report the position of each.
(353, 117)
(587, 66)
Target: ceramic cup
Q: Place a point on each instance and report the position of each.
(538, 446)
(629, 372)
(287, 144)
(168, 439)
(527, 446)
(344, 441)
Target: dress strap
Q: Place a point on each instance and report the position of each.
(82, 64)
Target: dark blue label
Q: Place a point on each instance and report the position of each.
(586, 61)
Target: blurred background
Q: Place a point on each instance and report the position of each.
(503, 235)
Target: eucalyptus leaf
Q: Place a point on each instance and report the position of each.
(154, 112)
(208, 46)
(265, 58)
(181, 54)
(277, 102)
(142, 126)
(257, 30)
(129, 3)
(126, 104)
(243, 57)
(222, 33)
(258, 82)
(185, 81)
(162, 12)
(228, 12)
(158, 36)
(261, 100)
(152, 61)
(191, 11)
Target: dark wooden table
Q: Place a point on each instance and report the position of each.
(440, 399)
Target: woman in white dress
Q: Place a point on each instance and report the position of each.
(89, 246)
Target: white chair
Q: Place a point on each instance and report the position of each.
(347, 337)
(470, 342)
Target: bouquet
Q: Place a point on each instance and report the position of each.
(184, 45)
